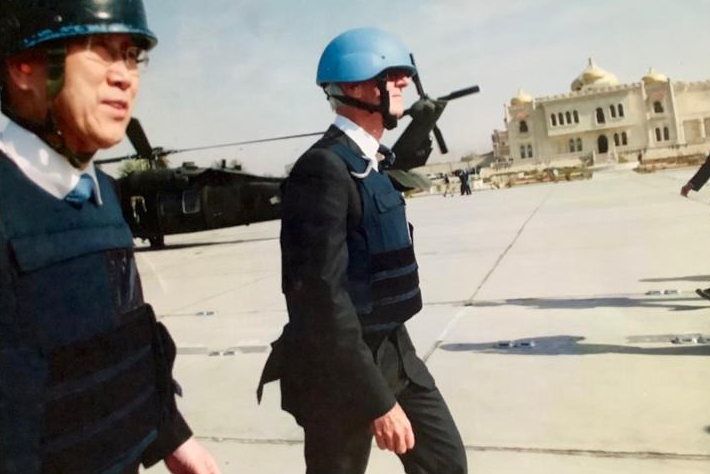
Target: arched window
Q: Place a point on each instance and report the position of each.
(522, 151)
(616, 139)
(666, 134)
(576, 116)
(621, 110)
(523, 126)
(568, 116)
(603, 144)
(624, 139)
(553, 118)
(600, 115)
(658, 134)
(571, 146)
(579, 144)
(530, 155)
(561, 118)
(658, 107)
(612, 110)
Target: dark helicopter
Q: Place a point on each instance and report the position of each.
(162, 201)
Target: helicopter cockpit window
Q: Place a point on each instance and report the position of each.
(190, 201)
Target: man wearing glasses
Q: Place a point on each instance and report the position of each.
(347, 367)
(86, 384)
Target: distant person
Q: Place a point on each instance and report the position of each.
(696, 182)
(86, 382)
(448, 186)
(347, 366)
(465, 187)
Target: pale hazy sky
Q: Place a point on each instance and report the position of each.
(230, 70)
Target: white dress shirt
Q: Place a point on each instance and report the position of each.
(41, 164)
(367, 143)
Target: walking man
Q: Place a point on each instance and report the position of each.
(347, 366)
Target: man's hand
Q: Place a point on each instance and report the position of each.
(393, 431)
(686, 189)
(191, 458)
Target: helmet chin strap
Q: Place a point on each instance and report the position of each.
(47, 130)
(383, 108)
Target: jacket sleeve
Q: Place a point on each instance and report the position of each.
(701, 177)
(172, 429)
(319, 196)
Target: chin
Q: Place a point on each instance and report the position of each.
(112, 136)
(102, 143)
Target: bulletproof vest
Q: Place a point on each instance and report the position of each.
(383, 281)
(77, 341)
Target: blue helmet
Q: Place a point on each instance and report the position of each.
(25, 24)
(361, 54)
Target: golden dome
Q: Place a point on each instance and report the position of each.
(521, 98)
(592, 77)
(653, 77)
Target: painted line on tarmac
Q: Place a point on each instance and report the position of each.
(510, 245)
(460, 314)
(595, 453)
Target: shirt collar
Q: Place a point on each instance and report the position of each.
(43, 165)
(367, 143)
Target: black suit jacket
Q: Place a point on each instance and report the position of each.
(325, 364)
(701, 177)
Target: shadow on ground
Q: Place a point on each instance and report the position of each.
(670, 303)
(201, 244)
(694, 278)
(572, 345)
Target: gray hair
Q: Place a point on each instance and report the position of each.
(332, 89)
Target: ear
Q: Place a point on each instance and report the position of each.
(23, 71)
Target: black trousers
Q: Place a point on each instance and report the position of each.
(339, 444)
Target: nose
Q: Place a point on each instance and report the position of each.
(119, 76)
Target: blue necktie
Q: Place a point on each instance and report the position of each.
(82, 192)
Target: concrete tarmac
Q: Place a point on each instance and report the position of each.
(560, 322)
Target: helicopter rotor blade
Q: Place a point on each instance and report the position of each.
(138, 139)
(246, 142)
(416, 79)
(117, 159)
(440, 140)
(420, 90)
(160, 153)
(461, 93)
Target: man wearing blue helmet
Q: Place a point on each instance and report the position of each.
(86, 370)
(347, 366)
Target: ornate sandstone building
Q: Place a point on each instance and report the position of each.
(601, 120)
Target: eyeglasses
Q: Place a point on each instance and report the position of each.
(106, 52)
(397, 74)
